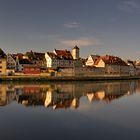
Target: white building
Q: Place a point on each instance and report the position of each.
(91, 60)
(59, 58)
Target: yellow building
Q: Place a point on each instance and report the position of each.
(3, 62)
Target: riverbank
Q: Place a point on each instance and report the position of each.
(65, 78)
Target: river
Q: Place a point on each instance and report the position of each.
(108, 110)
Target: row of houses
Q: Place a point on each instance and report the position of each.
(66, 63)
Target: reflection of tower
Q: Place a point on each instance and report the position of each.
(75, 103)
(75, 52)
(48, 99)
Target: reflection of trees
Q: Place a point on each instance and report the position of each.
(65, 95)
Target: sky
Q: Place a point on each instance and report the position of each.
(97, 26)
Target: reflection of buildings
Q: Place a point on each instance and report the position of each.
(7, 94)
(111, 91)
(65, 95)
(60, 100)
(30, 95)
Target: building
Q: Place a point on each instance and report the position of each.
(37, 58)
(11, 62)
(75, 53)
(64, 59)
(132, 67)
(20, 63)
(3, 62)
(31, 69)
(91, 60)
(59, 58)
(113, 65)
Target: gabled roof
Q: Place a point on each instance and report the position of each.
(111, 60)
(2, 54)
(132, 63)
(52, 55)
(24, 61)
(94, 57)
(18, 55)
(35, 55)
(63, 54)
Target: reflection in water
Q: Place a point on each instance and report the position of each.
(65, 95)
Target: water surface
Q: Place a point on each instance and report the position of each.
(71, 110)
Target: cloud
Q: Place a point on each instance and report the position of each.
(80, 42)
(130, 6)
(72, 25)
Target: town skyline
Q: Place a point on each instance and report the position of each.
(96, 27)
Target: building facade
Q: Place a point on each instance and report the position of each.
(91, 60)
(11, 62)
(59, 58)
(113, 65)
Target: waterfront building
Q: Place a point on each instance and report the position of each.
(91, 60)
(11, 62)
(3, 62)
(20, 63)
(113, 65)
(132, 67)
(37, 58)
(59, 58)
(31, 69)
(64, 59)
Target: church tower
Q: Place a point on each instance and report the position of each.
(75, 52)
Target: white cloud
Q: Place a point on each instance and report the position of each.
(72, 25)
(130, 6)
(80, 42)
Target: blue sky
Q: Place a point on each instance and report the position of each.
(96, 26)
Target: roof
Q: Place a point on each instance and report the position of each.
(24, 61)
(18, 55)
(63, 54)
(2, 54)
(52, 55)
(35, 55)
(111, 60)
(95, 57)
(76, 47)
(130, 62)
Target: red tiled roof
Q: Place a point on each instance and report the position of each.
(35, 55)
(111, 60)
(24, 61)
(63, 54)
(18, 55)
(95, 57)
(52, 55)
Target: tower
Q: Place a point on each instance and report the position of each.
(75, 52)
